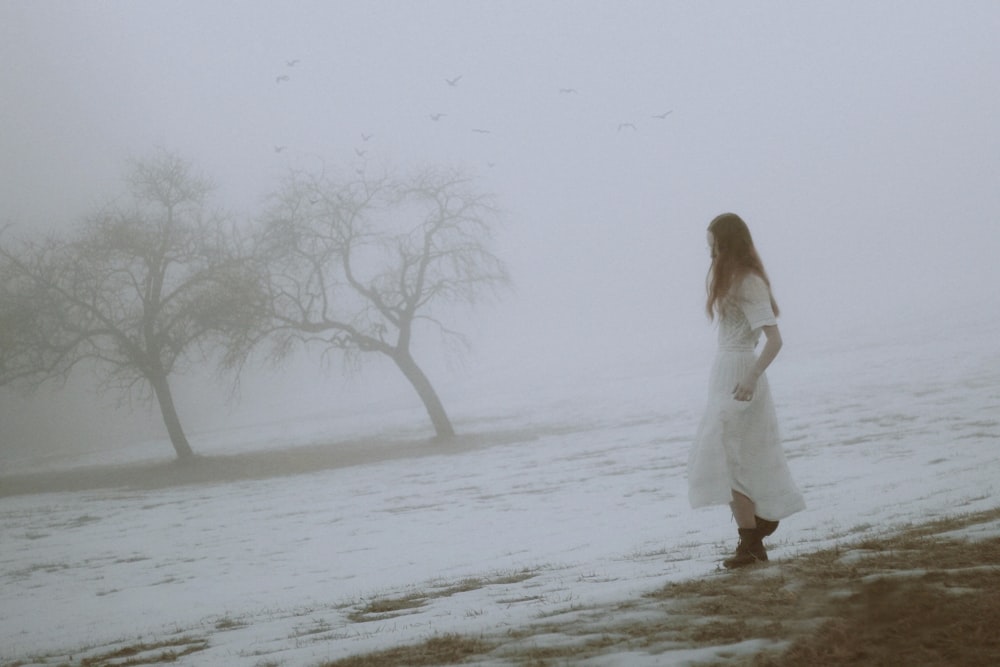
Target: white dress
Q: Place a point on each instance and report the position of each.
(738, 445)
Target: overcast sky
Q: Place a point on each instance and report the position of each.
(858, 139)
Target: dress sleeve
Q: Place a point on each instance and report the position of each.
(755, 302)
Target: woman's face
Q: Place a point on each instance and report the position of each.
(710, 237)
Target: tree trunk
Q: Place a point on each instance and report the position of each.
(173, 423)
(435, 409)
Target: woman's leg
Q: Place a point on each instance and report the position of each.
(750, 549)
(744, 510)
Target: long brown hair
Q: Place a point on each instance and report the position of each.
(733, 257)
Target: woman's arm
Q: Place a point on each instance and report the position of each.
(745, 389)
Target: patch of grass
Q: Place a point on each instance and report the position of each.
(579, 647)
(220, 469)
(26, 572)
(130, 559)
(447, 649)
(907, 622)
(384, 608)
(315, 627)
(520, 599)
(227, 623)
(82, 520)
(910, 599)
(142, 653)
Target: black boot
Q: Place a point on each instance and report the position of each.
(765, 526)
(750, 550)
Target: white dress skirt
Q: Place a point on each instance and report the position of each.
(738, 445)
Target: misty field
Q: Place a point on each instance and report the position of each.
(554, 531)
(191, 189)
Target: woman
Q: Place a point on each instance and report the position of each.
(737, 458)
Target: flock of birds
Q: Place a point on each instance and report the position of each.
(452, 82)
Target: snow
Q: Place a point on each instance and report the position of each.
(568, 498)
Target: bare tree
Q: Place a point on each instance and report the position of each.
(132, 293)
(357, 266)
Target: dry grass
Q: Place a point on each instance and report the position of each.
(142, 653)
(917, 601)
(911, 598)
(380, 609)
(267, 464)
(131, 655)
(442, 650)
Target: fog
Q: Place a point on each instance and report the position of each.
(859, 141)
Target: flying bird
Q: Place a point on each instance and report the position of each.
(366, 137)
(437, 116)
(454, 82)
(282, 77)
(624, 126)
(567, 91)
(663, 115)
(359, 152)
(292, 63)
(278, 149)
(480, 131)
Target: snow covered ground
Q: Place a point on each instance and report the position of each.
(565, 497)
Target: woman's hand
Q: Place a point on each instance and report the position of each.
(744, 390)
